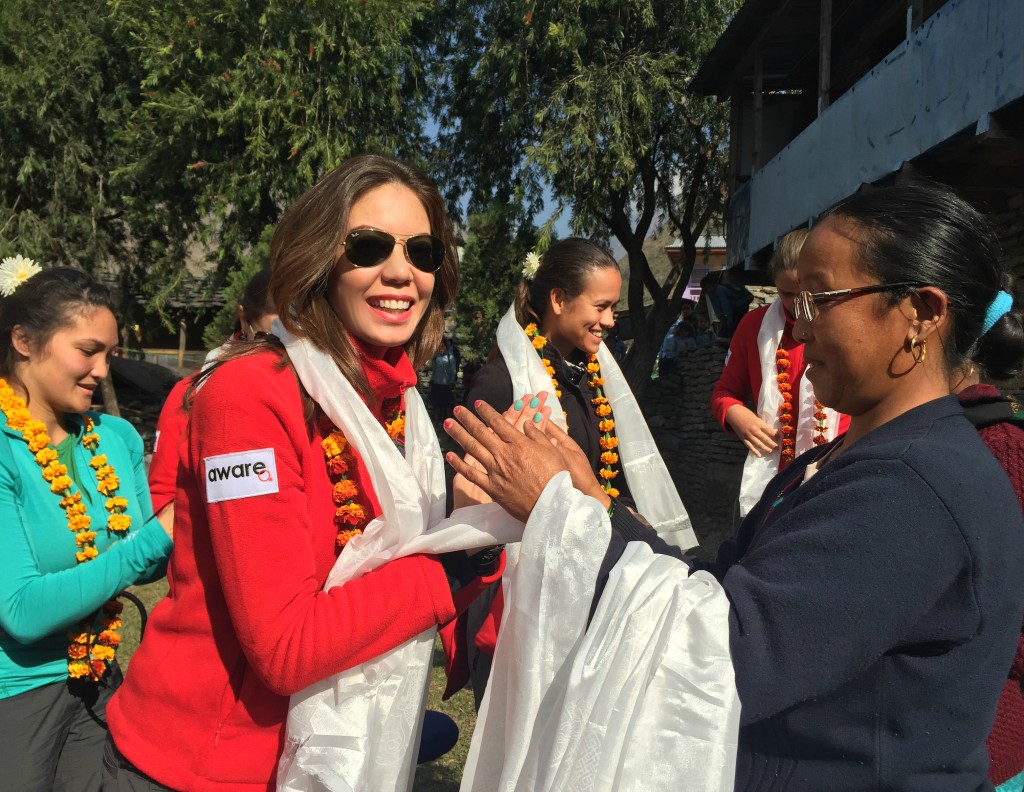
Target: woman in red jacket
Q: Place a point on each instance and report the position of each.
(765, 368)
(271, 491)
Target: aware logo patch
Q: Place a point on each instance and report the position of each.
(242, 475)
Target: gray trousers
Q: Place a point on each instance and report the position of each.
(52, 737)
(120, 775)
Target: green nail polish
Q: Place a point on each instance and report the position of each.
(534, 401)
(537, 417)
(519, 404)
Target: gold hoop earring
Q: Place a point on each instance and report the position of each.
(915, 345)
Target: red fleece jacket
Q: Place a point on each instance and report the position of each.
(246, 622)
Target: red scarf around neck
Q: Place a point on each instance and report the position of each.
(388, 374)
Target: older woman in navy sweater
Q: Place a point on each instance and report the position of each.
(874, 590)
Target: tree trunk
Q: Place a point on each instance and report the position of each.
(649, 329)
(110, 405)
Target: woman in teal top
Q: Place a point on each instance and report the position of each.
(76, 526)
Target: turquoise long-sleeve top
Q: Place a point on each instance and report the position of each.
(43, 588)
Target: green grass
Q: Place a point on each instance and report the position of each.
(440, 776)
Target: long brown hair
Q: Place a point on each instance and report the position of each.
(303, 255)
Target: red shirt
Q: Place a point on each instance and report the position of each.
(247, 623)
(170, 430)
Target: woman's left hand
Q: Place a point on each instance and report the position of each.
(513, 466)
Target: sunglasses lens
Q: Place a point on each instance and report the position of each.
(425, 252)
(368, 248)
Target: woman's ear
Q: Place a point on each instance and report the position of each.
(929, 313)
(557, 300)
(21, 341)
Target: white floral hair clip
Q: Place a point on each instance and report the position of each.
(530, 265)
(14, 271)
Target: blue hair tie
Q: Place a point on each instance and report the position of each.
(997, 309)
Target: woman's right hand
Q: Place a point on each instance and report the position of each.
(577, 464)
(514, 467)
(757, 436)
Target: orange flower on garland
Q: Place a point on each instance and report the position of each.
(788, 451)
(782, 365)
(396, 425)
(820, 425)
(344, 491)
(602, 409)
(349, 516)
(84, 658)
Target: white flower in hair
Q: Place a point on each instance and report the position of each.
(15, 270)
(530, 265)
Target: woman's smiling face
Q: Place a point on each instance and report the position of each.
(580, 322)
(382, 305)
(62, 376)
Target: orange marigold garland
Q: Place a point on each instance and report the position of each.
(349, 515)
(786, 428)
(396, 425)
(85, 657)
(605, 420)
(820, 425)
(606, 423)
(788, 451)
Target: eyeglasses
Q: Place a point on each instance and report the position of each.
(806, 305)
(368, 247)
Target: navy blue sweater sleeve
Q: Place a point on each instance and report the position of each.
(627, 527)
(874, 538)
(797, 627)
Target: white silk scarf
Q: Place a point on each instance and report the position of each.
(360, 729)
(758, 471)
(649, 481)
(641, 700)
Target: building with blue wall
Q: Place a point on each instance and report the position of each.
(829, 97)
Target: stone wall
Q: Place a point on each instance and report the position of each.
(703, 460)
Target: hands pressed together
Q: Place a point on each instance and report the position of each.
(511, 457)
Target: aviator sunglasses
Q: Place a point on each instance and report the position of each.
(368, 247)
